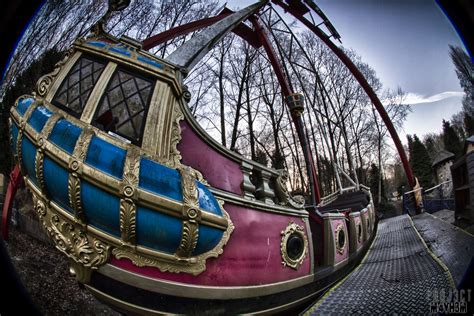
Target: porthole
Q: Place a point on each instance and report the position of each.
(294, 245)
(340, 239)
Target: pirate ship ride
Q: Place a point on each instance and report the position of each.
(153, 214)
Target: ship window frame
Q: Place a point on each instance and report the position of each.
(67, 109)
(137, 73)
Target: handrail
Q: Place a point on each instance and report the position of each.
(417, 189)
(438, 185)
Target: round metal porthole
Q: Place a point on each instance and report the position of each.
(340, 239)
(294, 245)
(359, 232)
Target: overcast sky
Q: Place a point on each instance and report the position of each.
(406, 42)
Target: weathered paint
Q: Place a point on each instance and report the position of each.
(106, 157)
(102, 209)
(65, 135)
(199, 155)
(39, 117)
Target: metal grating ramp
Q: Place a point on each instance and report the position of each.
(398, 275)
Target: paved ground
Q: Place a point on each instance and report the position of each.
(398, 276)
(454, 246)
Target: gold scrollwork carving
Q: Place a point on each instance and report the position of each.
(21, 131)
(19, 147)
(128, 211)
(282, 193)
(175, 155)
(191, 212)
(80, 151)
(86, 252)
(44, 83)
(340, 239)
(296, 258)
(74, 193)
(75, 168)
(189, 239)
(128, 208)
(39, 159)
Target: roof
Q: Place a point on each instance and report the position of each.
(442, 156)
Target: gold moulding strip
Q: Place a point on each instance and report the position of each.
(190, 232)
(22, 123)
(74, 166)
(113, 185)
(39, 159)
(128, 208)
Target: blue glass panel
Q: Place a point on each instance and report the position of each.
(158, 231)
(23, 105)
(150, 61)
(106, 157)
(207, 201)
(28, 153)
(15, 136)
(65, 135)
(56, 180)
(121, 50)
(160, 179)
(208, 238)
(102, 209)
(39, 117)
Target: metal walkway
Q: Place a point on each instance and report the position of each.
(398, 275)
(454, 246)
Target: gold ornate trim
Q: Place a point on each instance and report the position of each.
(339, 248)
(175, 155)
(75, 166)
(128, 208)
(191, 212)
(86, 252)
(283, 194)
(291, 230)
(39, 159)
(22, 120)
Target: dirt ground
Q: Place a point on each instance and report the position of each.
(43, 270)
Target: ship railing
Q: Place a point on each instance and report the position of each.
(268, 185)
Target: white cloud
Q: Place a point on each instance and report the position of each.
(414, 98)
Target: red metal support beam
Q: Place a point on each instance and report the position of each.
(181, 30)
(241, 30)
(296, 115)
(362, 81)
(16, 180)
